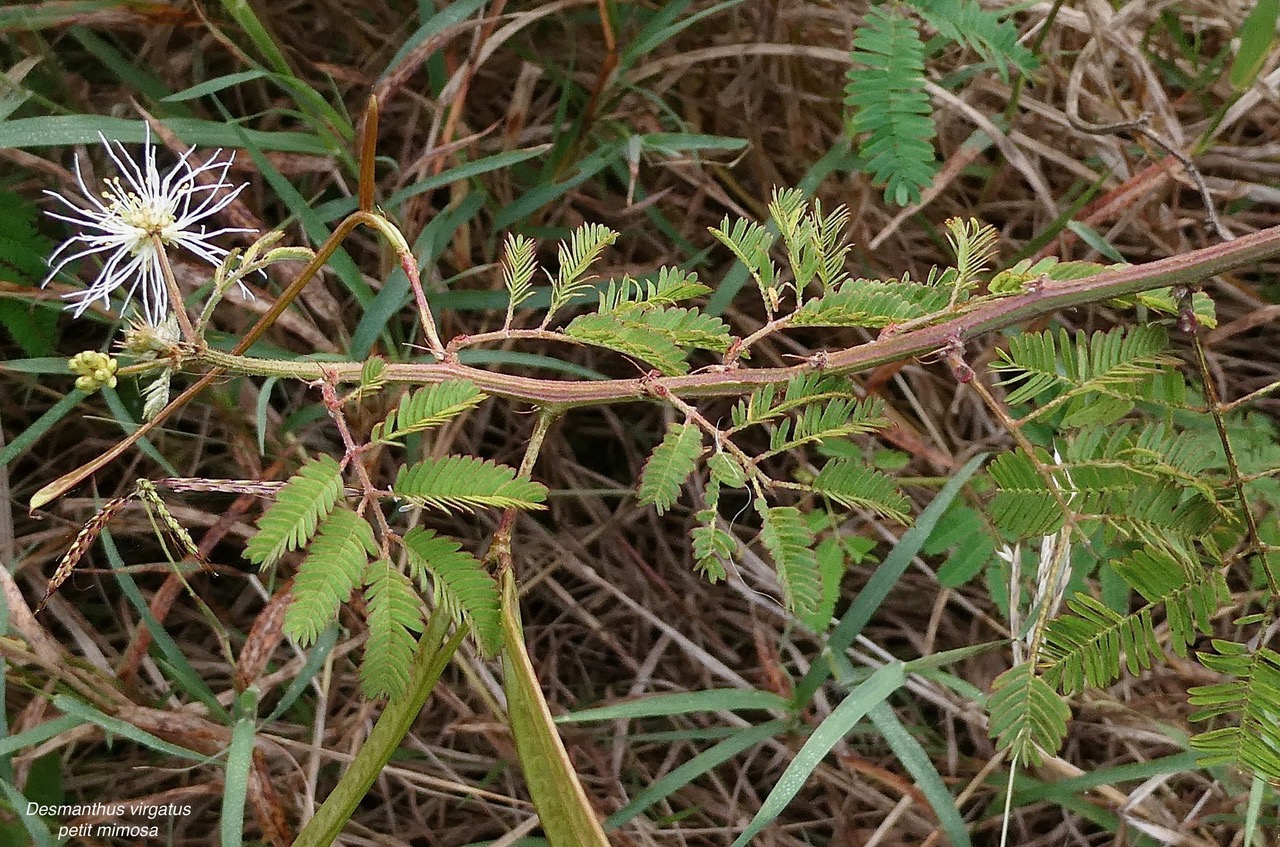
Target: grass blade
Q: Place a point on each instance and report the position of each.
(852, 709)
(928, 780)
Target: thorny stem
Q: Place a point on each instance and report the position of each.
(175, 293)
(986, 317)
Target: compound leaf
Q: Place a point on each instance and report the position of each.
(291, 520)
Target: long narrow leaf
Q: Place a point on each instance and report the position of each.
(852, 709)
(562, 804)
(914, 758)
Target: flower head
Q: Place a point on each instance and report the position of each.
(130, 215)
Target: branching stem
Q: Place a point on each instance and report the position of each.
(983, 318)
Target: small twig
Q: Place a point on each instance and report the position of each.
(459, 342)
(370, 494)
(1233, 468)
(742, 345)
(965, 374)
(1141, 125)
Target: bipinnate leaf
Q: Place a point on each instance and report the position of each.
(1113, 363)
(670, 465)
(789, 541)
(713, 548)
(804, 389)
(835, 418)
(682, 327)
(373, 377)
(749, 242)
(856, 485)
(872, 303)
(333, 568)
(974, 246)
(460, 584)
(291, 520)
(966, 22)
(467, 483)
(426, 408)
(671, 286)
(394, 615)
(22, 260)
(1090, 645)
(1028, 718)
(1015, 279)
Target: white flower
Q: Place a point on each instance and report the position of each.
(121, 224)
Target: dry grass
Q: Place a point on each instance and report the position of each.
(611, 608)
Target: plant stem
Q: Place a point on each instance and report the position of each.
(985, 317)
(988, 316)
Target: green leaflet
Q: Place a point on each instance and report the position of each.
(1085, 647)
(1254, 695)
(519, 262)
(291, 520)
(22, 259)
(670, 464)
(790, 544)
(461, 585)
(631, 338)
(394, 615)
(713, 548)
(1015, 279)
(372, 378)
(466, 483)
(833, 419)
(815, 243)
(671, 286)
(426, 408)
(333, 568)
(641, 320)
(887, 100)
(764, 404)
(853, 484)
(576, 257)
(1114, 362)
(749, 243)
(1128, 496)
(966, 22)
(1028, 718)
(872, 303)
(682, 327)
